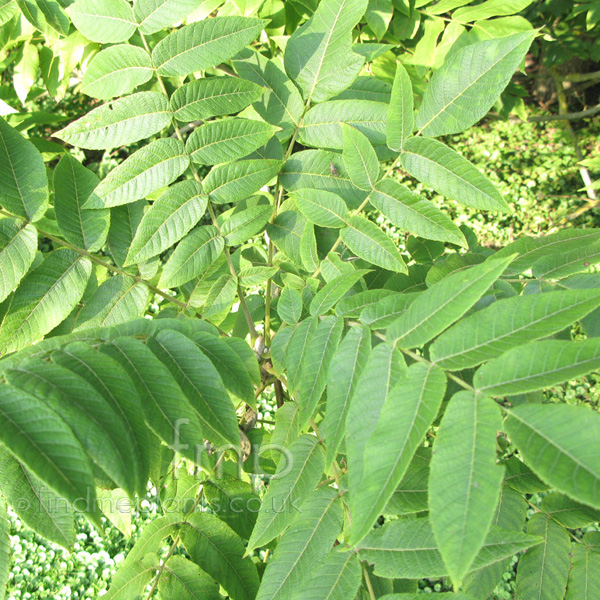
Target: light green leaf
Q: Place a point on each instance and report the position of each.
(289, 305)
(332, 291)
(166, 409)
(40, 439)
(169, 219)
(322, 126)
(400, 116)
(309, 253)
(352, 306)
(73, 187)
(409, 410)
(386, 311)
(319, 56)
(185, 580)
(205, 98)
(490, 8)
(218, 551)
(296, 349)
(543, 571)
(4, 547)
(551, 442)
(38, 506)
(18, 246)
(200, 382)
(567, 512)
(44, 299)
(469, 82)
(360, 158)
(149, 169)
(322, 208)
(298, 472)
(508, 323)
(315, 366)
(444, 303)
(117, 70)
(337, 577)
(537, 365)
(464, 483)
(451, 175)
(281, 103)
(110, 379)
(119, 122)
(584, 576)
(413, 213)
(154, 15)
(227, 140)
(236, 181)
(23, 181)
(117, 300)
(345, 370)
(192, 256)
(204, 44)
(557, 266)
(304, 545)
(220, 299)
(103, 21)
(369, 242)
(247, 220)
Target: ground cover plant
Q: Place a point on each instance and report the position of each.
(196, 234)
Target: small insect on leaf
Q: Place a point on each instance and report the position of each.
(333, 170)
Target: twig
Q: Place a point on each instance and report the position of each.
(564, 116)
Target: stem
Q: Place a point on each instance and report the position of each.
(213, 216)
(368, 582)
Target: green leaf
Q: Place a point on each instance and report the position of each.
(44, 299)
(469, 82)
(154, 15)
(537, 365)
(227, 140)
(73, 187)
(23, 181)
(119, 122)
(205, 98)
(117, 300)
(229, 365)
(289, 305)
(322, 208)
(370, 243)
(543, 571)
(192, 256)
(345, 370)
(117, 70)
(39, 438)
(333, 291)
(411, 407)
(386, 311)
(360, 158)
(406, 549)
(100, 430)
(379, 376)
(567, 512)
(508, 323)
(236, 181)
(315, 366)
(557, 266)
(166, 409)
(309, 253)
(322, 126)
(319, 56)
(490, 8)
(18, 246)
(296, 349)
(451, 175)
(110, 379)
(298, 473)
(169, 219)
(413, 213)
(400, 116)
(303, 546)
(247, 220)
(584, 576)
(149, 169)
(220, 299)
(337, 577)
(352, 306)
(103, 21)
(204, 44)
(4, 547)
(280, 103)
(201, 383)
(443, 303)
(218, 551)
(551, 442)
(185, 580)
(464, 484)
(38, 506)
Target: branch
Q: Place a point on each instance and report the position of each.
(590, 112)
